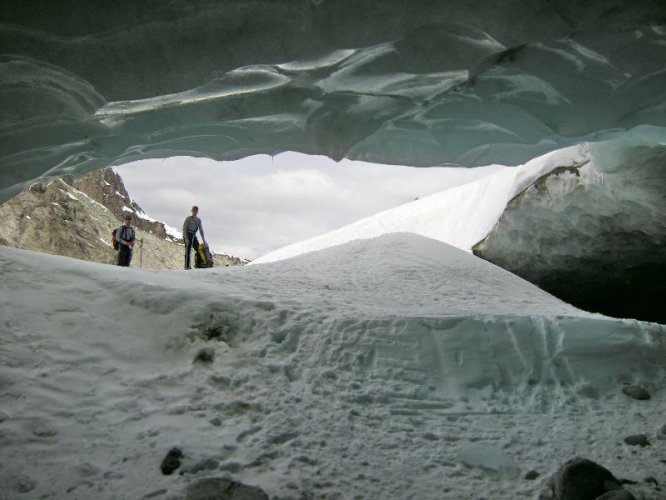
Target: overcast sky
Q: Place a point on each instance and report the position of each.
(260, 203)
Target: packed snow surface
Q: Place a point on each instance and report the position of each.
(393, 367)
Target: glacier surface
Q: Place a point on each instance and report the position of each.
(394, 367)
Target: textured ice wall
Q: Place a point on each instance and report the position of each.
(474, 83)
(593, 235)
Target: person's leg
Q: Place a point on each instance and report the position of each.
(188, 249)
(124, 257)
(195, 247)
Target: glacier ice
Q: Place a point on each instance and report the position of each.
(593, 234)
(398, 83)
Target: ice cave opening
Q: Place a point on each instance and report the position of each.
(466, 83)
(584, 223)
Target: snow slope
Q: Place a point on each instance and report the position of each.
(394, 367)
(460, 216)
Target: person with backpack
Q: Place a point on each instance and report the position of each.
(125, 236)
(191, 225)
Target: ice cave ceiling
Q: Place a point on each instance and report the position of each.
(86, 83)
(89, 83)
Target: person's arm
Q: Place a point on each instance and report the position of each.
(185, 231)
(203, 238)
(130, 243)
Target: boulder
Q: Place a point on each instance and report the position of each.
(637, 440)
(636, 392)
(171, 461)
(579, 479)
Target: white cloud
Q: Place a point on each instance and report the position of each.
(260, 203)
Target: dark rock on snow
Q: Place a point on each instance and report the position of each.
(532, 475)
(636, 392)
(580, 479)
(223, 489)
(637, 440)
(172, 461)
(652, 480)
(205, 356)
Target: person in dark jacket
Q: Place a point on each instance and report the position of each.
(125, 237)
(191, 225)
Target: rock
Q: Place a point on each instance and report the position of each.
(532, 475)
(579, 479)
(172, 461)
(636, 392)
(616, 495)
(205, 356)
(223, 489)
(637, 440)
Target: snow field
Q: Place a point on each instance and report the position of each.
(396, 367)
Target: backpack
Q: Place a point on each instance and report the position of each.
(116, 245)
(202, 256)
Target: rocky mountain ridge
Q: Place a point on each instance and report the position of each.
(106, 187)
(75, 216)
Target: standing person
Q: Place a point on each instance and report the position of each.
(191, 225)
(125, 237)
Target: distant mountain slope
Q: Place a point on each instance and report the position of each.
(75, 217)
